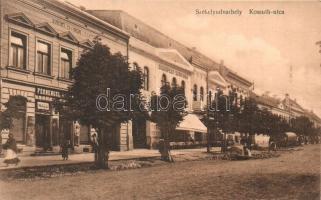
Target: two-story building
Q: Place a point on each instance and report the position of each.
(187, 67)
(41, 40)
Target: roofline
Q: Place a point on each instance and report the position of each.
(75, 11)
(161, 33)
(240, 78)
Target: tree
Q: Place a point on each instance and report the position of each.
(303, 126)
(105, 93)
(168, 110)
(14, 107)
(223, 113)
(248, 117)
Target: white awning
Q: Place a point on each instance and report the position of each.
(290, 134)
(192, 123)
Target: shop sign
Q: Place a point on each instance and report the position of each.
(44, 106)
(48, 92)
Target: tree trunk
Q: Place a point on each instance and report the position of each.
(164, 148)
(102, 152)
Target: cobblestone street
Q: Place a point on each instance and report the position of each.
(293, 175)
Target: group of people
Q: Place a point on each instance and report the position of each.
(65, 146)
(11, 149)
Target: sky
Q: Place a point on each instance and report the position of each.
(277, 52)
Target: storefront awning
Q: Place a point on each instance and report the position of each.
(192, 123)
(290, 134)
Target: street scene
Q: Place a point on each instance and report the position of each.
(159, 99)
(283, 177)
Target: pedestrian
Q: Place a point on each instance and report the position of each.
(65, 149)
(77, 134)
(11, 151)
(94, 140)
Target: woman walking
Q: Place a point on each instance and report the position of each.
(11, 147)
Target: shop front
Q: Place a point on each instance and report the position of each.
(53, 129)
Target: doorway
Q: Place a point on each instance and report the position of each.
(139, 134)
(43, 138)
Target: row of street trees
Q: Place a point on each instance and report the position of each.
(232, 113)
(99, 70)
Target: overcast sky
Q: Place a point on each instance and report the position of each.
(261, 48)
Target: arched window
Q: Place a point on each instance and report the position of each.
(201, 93)
(183, 85)
(174, 82)
(195, 93)
(210, 98)
(164, 79)
(146, 78)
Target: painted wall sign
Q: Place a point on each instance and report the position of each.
(72, 28)
(49, 92)
(172, 71)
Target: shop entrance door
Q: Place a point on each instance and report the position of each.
(139, 133)
(43, 138)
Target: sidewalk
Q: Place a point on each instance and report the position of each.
(33, 161)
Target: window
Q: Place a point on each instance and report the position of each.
(18, 49)
(146, 78)
(43, 58)
(65, 63)
(195, 93)
(183, 85)
(164, 80)
(174, 82)
(201, 93)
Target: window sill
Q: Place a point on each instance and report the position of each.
(43, 75)
(18, 69)
(65, 80)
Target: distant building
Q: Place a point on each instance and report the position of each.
(271, 104)
(287, 108)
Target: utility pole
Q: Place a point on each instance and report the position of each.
(208, 149)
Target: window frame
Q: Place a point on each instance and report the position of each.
(201, 93)
(50, 57)
(146, 78)
(183, 85)
(71, 51)
(164, 79)
(26, 54)
(174, 82)
(195, 92)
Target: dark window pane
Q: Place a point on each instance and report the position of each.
(14, 56)
(21, 58)
(39, 64)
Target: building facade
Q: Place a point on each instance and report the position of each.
(40, 42)
(175, 64)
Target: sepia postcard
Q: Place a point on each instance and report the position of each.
(160, 99)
